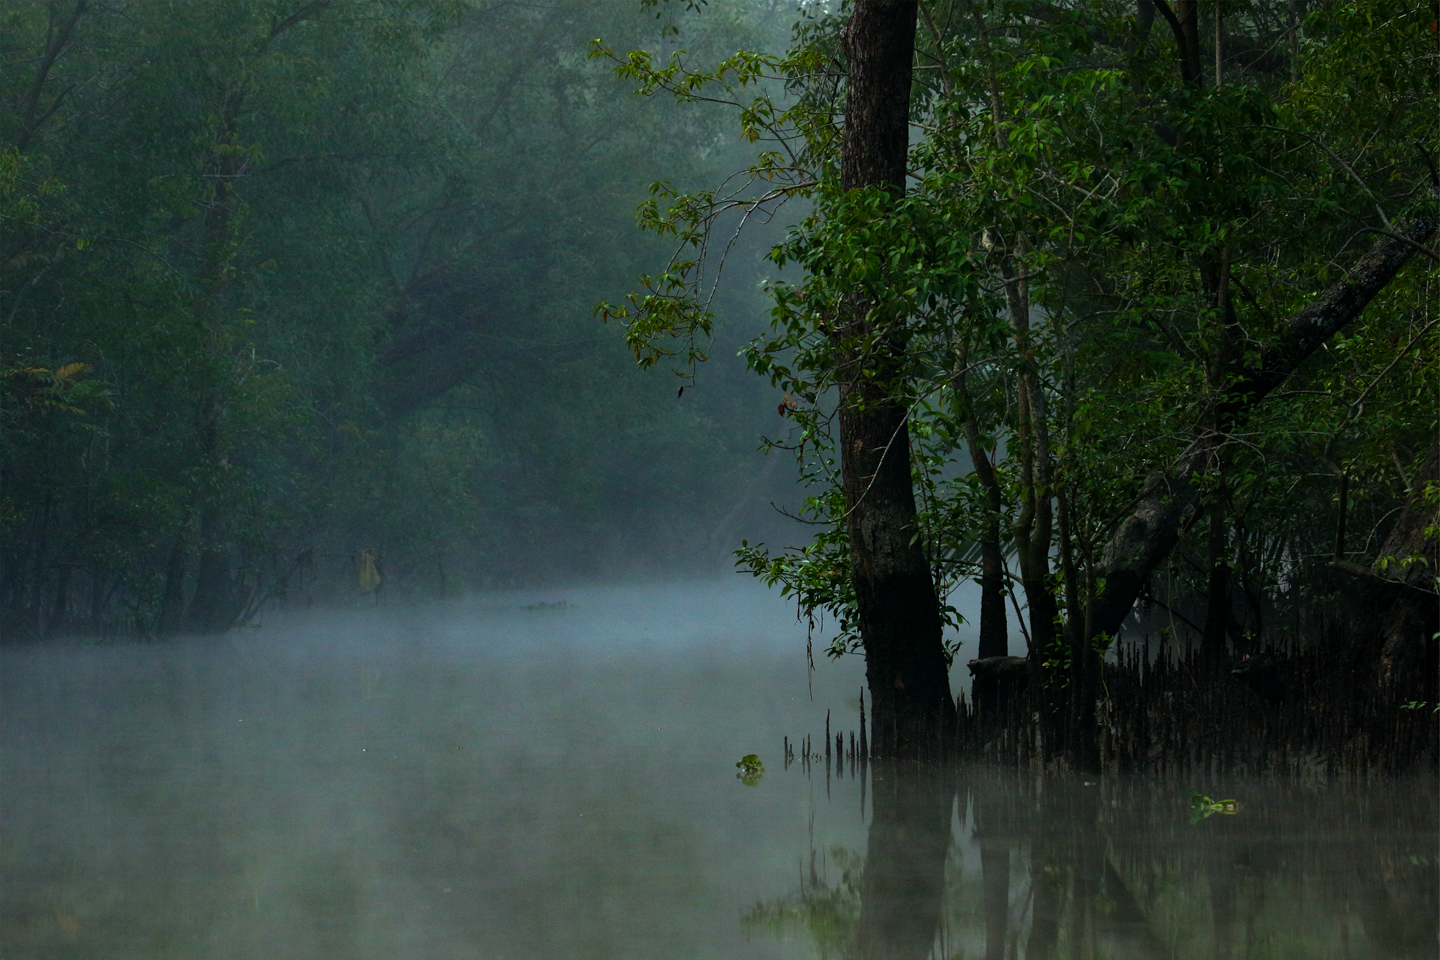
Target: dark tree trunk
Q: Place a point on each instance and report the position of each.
(994, 625)
(1033, 525)
(31, 115)
(1151, 530)
(899, 612)
(219, 594)
(215, 586)
(59, 610)
(1184, 22)
(1219, 370)
(172, 602)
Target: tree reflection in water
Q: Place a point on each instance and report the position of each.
(904, 879)
(987, 864)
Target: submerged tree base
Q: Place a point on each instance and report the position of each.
(1313, 710)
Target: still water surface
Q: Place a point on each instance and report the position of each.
(482, 780)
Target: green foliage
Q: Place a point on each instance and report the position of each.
(751, 770)
(290, 279)
(1202, 806)
(1081, 216)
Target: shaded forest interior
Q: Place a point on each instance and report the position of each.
(290, 289)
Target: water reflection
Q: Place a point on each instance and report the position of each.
(985, 864)
(469, 782)
(904, 879)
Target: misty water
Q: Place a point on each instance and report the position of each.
(553, 775)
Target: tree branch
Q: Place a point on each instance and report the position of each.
(1151, 531)
(32, 97)
(280, 26)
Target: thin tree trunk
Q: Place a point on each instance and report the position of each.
(899, 612)
(994, 626)
(213, 606)
(220, 596)
(1218, 371)
(60, 609)
(1034, 525)
(172, 601)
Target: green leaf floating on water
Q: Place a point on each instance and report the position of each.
(1202, 806)
(751, 770)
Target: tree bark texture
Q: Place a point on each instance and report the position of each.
(899, 611)
(1167, 500)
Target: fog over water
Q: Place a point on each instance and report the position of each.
(509, 777)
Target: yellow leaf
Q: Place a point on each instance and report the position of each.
(70, 371)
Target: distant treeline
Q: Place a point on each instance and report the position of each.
(282, 282)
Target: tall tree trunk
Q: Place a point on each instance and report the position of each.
(1219, 370)
(899, 611)
(220, 595)
(217, 599)
(994, 626)
(59, 610)
(1215, 282)
(31, 114)
(1034, 525)
(994, 640)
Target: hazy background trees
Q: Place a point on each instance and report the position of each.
(285, 281)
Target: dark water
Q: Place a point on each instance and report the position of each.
(480, 780)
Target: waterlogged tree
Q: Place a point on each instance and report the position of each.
(1149, 270)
